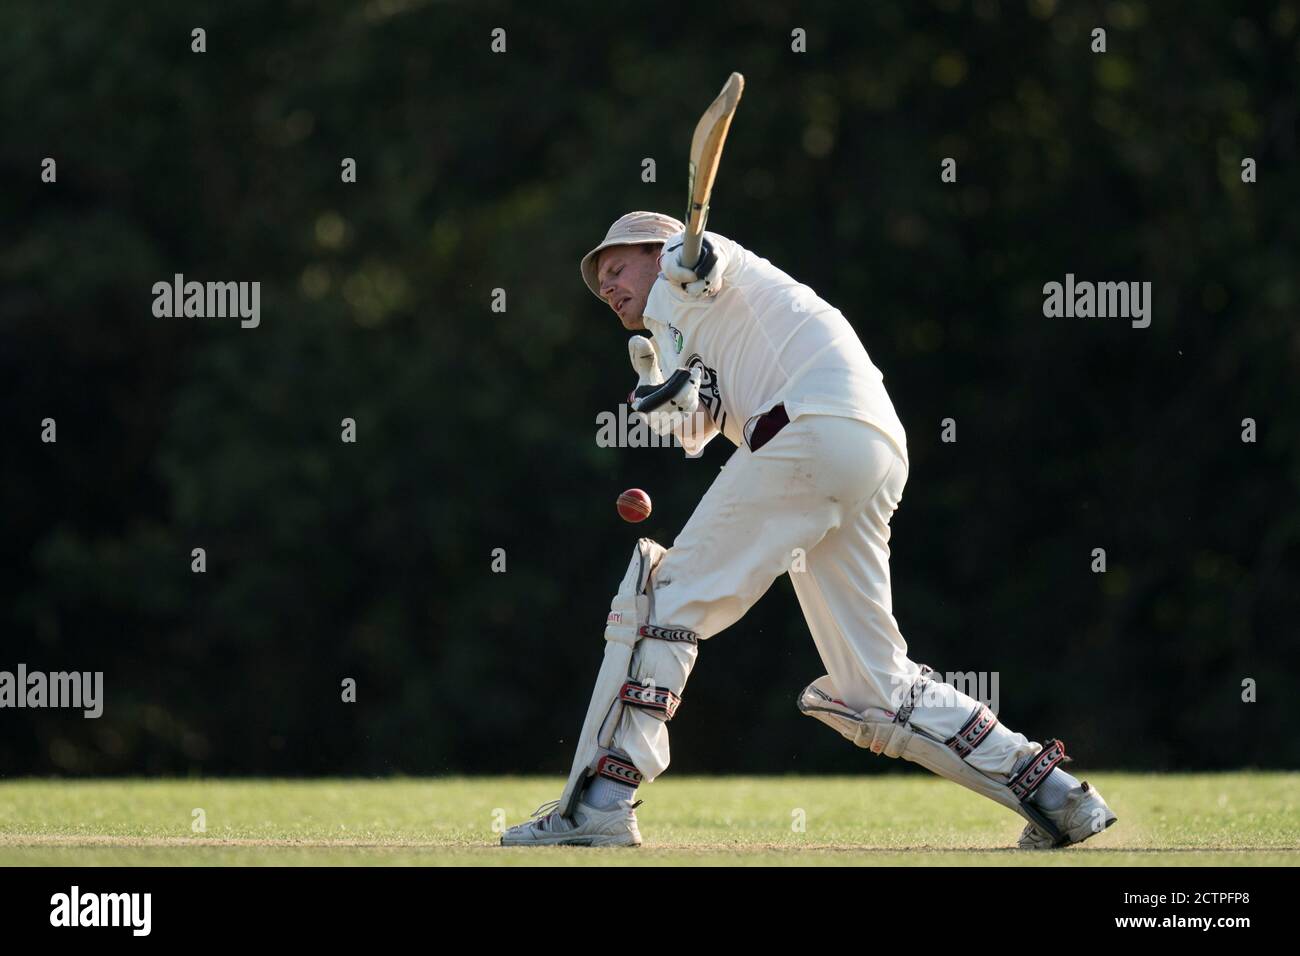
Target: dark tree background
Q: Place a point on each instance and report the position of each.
(476, 430)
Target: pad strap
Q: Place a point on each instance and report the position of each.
(913, 695)
(1035, 772)
(619, 769)
(657, 700)
(973, 732)
(679, 634)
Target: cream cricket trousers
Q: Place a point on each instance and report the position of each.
(814, 501)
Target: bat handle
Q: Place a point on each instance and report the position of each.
(691, 251)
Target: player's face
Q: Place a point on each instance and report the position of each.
(625, 275)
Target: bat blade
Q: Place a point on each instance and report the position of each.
(706, 151)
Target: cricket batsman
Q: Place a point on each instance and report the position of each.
(741, 349)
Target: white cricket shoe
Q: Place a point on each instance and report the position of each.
(589, 827)
(1083, 814)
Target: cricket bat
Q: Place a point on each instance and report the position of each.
(706, 150)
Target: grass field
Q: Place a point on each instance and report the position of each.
(1237, 819)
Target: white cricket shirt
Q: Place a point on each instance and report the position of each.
(762, 340)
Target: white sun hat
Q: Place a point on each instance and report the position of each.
(633, 229)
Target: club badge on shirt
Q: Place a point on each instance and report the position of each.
(677, 338)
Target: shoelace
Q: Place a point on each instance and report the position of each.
(545, 811)
(549, 808)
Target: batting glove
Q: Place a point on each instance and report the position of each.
(703, 280)
(668, 405)
(645, 360)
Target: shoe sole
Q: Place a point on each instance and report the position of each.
(593, 841)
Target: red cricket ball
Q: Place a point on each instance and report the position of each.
(634, 505)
